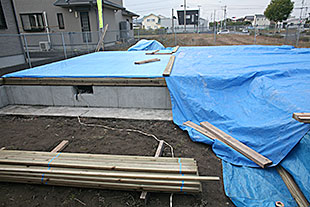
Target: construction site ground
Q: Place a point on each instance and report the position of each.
(44, 133)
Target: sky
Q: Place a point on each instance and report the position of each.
(235, 8)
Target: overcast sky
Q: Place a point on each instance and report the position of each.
(235, 8)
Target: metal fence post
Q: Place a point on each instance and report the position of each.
(255, 35)
(64, 44)
(87, 42)
(214, 27)
(27, 51)
(139, 34)
(286, 34)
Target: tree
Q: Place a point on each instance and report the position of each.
(279, 10)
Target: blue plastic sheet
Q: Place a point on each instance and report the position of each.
(100, 65)
(143, 45)
(249, 92)
(263, 187)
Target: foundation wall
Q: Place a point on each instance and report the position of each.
(100, 96)
(3, 97)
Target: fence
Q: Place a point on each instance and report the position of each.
(232, 35)
(42, 48)
(48, 47)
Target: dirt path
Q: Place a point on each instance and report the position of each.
(43, 134)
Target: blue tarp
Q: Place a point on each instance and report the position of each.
(143, 45)
(100, 65)
(249, 92)
(263, 187)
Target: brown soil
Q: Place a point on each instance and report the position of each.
(44, 133)
(194, 39)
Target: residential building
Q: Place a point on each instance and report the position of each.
(12, 52)
(249, 18)
(74, 16)
(151, 21)
(260, 21)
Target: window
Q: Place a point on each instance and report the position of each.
(85, 24)
(60, 19)
(32, 22)
(153, 20)
(2, 19)
(148, 20)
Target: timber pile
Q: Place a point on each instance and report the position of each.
(118, 172)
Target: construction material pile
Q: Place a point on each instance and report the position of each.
(139, 173)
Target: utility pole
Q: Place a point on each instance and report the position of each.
(300, 21)
(185, 15)
(225, 13)
(172, 23)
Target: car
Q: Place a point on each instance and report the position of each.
(224, 31)
(245, 30)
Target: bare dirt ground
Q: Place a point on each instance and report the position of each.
(44, 133)
(222, 39)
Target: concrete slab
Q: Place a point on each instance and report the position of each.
(117, 113)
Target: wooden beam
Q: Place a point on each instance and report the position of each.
(147, 61)
(175, 49)
(157, 82)
(293, 187)
(200, 129)
(62, 145)
(302, 117)
(101, 43)
(169, 66)
(120, 174)
(237, 145)
(152, 53)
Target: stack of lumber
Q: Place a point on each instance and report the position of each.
(139, 173)
(302, 117)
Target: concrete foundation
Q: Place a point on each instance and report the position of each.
(3, 97)
(100, 96)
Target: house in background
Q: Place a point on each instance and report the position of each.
(12, 52)
(260, 21)
(74, 16)
(151, 21)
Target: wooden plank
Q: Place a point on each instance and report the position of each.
(147, 61)
(96, 184)
(62, 145)
(117, 167)
(169, 66)
(106, 179)
(101, 43)
(157, 82)
(106, 173)
(237, 145)
(200, 129)
(99, 156)
(152, 53)
(293, 187)
(302, 117)
(78, 161)
(175, 49)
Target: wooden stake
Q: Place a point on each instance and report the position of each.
(147, 61)
(62, 145)
(152, 53)
(100, 43)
